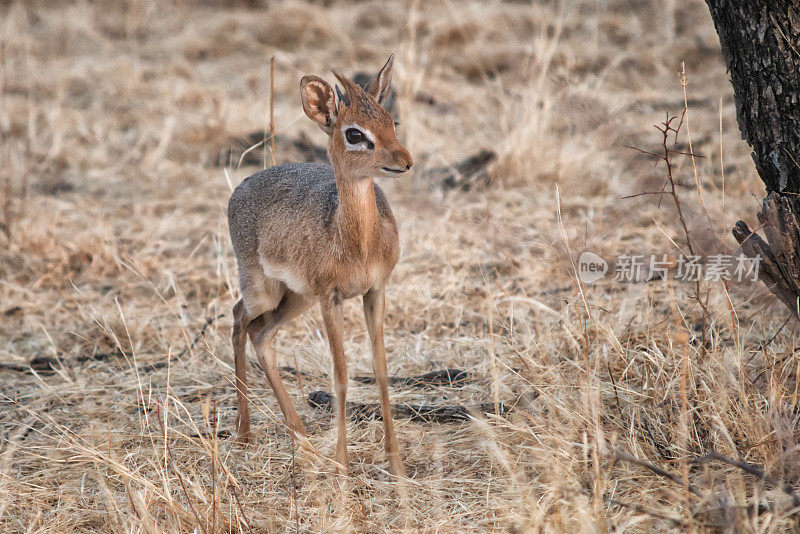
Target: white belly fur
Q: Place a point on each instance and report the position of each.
(276, 271)
(356, 284)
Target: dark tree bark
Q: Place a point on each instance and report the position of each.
(761, 45)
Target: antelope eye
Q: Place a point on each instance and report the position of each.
(354, 136)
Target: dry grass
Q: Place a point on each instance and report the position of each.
(114, 254)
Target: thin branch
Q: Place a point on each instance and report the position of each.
(637, 149)
(753, 470)
(272, 108)
(619, 455)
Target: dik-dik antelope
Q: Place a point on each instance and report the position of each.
(309, 232)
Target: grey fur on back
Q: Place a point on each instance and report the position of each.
(283, 195)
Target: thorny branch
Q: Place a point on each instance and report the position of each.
(667, 130)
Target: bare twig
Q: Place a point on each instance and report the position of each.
(768, 343)
(619, 455)
(752, 470)
(667, 129)
(271, 109)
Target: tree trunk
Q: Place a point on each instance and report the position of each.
(761, 45)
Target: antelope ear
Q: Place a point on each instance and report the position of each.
(379, 87)
(319, 102)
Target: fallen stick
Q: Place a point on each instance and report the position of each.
(443, 377)
(455, 378)
(322, 401)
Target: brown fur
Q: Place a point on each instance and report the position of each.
(307, 233)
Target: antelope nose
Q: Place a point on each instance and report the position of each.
(402, 158)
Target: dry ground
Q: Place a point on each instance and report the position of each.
(114, 254)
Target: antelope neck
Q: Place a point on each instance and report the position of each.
(357, 213)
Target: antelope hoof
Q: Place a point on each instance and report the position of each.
(398, 468)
